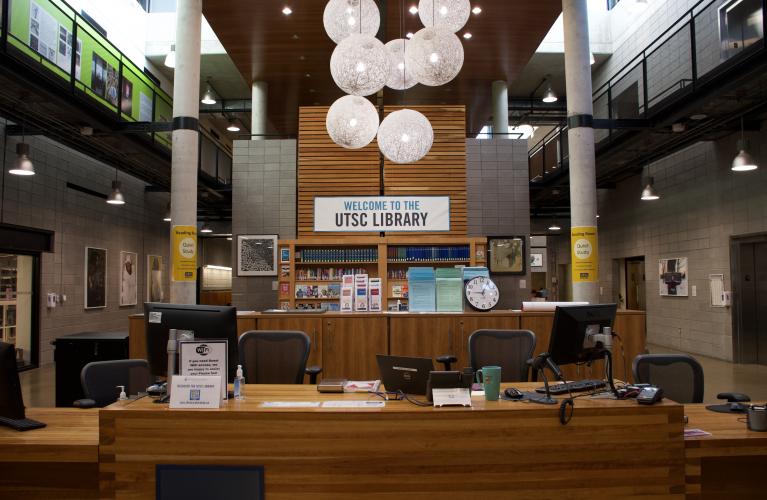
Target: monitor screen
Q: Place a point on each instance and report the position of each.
(569, 342)
(11, 401)
(207, 322)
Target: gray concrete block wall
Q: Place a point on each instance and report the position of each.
(263, 202)
(79, 220)
(498, 195)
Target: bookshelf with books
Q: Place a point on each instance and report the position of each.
(311, 268)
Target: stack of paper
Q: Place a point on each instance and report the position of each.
(422, 287)
(449, 289)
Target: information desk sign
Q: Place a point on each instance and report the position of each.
(206, 358)
(190, 392)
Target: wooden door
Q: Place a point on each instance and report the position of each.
(350, 345)
(310, 326)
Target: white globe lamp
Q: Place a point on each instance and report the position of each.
(434, 56)
(343, 18)
(450, 14)
(405, 136)
(352, 122)
(360, 65)
(400, 76)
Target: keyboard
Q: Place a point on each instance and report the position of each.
(22, 424)
(579, 386)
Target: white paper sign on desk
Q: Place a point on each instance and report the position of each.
(205, 358)
(451, 397)
(195, 392)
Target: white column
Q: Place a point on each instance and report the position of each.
(186, 104)
(580, 111)
(258, 110)
(500, 109)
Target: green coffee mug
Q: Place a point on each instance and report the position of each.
(491, 379)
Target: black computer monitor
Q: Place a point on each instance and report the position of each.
(569, 342)
(11, 401)
(207, 322)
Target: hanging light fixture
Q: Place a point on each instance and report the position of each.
(205, 228)
(170, 57)
(343, 18)
(743, 162)
(405, 136)
(434, 56)
(116, 196)
(23, 165)
(209, 96)
(167, 214)
(398, 79)
(360, 65)
(449, 14)
(549, 95)
(592, 59)
(352, 122)
(233, 127)
(554, 226)
(649, 193)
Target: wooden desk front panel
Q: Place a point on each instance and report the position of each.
(350, 345)
(496, 450)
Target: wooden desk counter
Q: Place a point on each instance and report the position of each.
(58, 461)
(730, 463)
(501, 449)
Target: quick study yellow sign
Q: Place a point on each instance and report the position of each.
(184, 253)
(585, 256)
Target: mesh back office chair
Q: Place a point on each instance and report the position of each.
(679, 375)
(101, 378)
(276, 357)
(509, 349)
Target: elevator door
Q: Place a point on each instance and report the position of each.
(753, 302)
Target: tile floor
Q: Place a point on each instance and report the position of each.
(38, 386)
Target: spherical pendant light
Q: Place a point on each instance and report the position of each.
(342, 18)
(450, 14)
(405, 136)
(400, 76)
(434, 56)
(360, 65)
(352, 122)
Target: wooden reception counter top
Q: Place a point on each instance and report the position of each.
(345, 344)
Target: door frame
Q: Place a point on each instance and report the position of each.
(626, 261)
(34, 359)
(736, 242)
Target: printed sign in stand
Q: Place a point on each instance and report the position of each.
(205, 358)
(195, 392)
(382, 213)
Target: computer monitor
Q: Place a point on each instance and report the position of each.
(11, 401)
(207, 322)
(573, 325)
(403, 373)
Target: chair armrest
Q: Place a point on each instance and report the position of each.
(313, 371)
(84, 403)
(447, 360)
(733, 397)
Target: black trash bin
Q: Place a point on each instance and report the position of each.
(72, 352)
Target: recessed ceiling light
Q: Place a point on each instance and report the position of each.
(410, 34)
(477, 9)
(295, 36)
(467, 35)
(414, 10)
(302, 58)
(308, 75)
(287, 11)
(311, 91)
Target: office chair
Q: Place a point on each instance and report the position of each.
(679, 375)
(509, 349)
(101, 378)
(276, 357)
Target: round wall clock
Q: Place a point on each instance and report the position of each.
(482, 293)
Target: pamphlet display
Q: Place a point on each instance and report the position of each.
(449, 289)
(375, 294)
(422, 289)
(206, 358)
(347, 293)
(361, 292)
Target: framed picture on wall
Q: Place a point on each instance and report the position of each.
(672, 277)
(257, 255)
(128, 278)
(95, 278)
(536, 259)
(284, 254)
(155, 268)
(507, 255)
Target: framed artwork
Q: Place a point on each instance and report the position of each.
(257, 255)
(536, 259)
(284, 254)
(128, 278)
(672, 277)
(95, 278)
(155, 267)
(507, 255)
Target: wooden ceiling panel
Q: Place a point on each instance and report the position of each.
(292, 53)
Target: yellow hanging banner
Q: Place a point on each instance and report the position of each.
(585, 257)
(184, 257)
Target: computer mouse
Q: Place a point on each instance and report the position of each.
(513, 393)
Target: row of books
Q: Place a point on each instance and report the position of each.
(397, 274)
(422, 254)
(337, 255)
(326, 273)
(332, 291)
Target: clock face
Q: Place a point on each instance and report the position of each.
(482, 293)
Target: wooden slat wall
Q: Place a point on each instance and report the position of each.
(442, 172)
(326, 169)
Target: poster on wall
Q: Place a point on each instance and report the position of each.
(49, 38)
(98, 75)
(95, 278)
(536, 259)
(126, 103)
(257, 255)
(584, 254)
(144, 107)
(154, 278)
(128, 280)
(507, 255)
(673, 277)
(184, 255)
(111, 85)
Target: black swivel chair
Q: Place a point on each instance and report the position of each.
(101, 378)
(679, 375)
(276, 357)
(509, 349)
